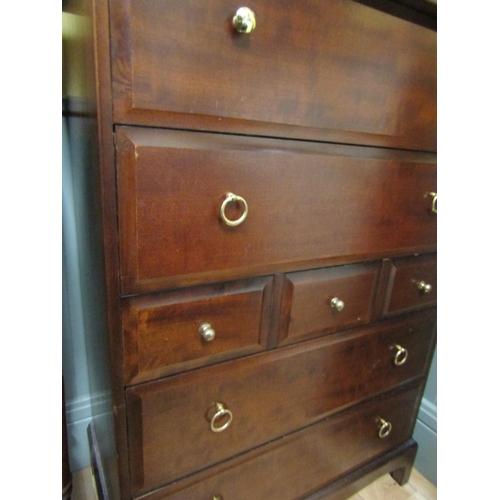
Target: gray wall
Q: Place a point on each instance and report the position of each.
(425, 433)
(74, 357)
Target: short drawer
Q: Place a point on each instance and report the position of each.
(329, 70)
(269, 395)
(305, 461)
(169, 332)
(298, 203)
(327, 300)
(412, 284)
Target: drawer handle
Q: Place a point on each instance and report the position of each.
(207, 332)
(244, 20)
(216, 497)
(424, 287)
(336, 303)
(233, 198)
(434, 209)
(401, 355)
(221, 412)
(385, 428)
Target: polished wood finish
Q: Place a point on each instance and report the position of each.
(405, 274)
(171, 186)
(307, 312)
(161, 332)
(380, 487)
(301, 463)
(399, 459)
(269, 395)
(336, 70)
(324, 120)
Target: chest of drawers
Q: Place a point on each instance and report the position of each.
(268, 183)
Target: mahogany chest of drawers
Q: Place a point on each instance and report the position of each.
(268, 183)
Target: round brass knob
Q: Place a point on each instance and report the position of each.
(244, 20)
(207, 332)
(424, 287)
(401, 355)
(221, 412)
(233, 198)
(336, 303)
(384, 428)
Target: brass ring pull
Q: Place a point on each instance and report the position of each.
(244, 20)
(207, 332)
(401, 355)
(336, 303)
(230, 198)
(385, 428)
(221, 412)
(424, 287)
(434, 209)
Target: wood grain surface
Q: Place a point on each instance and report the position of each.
(335, 70)
(306, 206)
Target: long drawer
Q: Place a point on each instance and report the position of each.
(305, 461)
(193, 420)
(335, 70)
(297, 205)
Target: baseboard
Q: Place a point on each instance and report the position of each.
(426, 460)
(428, 414)
(78, 417)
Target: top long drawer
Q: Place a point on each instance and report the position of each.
(303, 205)
(332, 70)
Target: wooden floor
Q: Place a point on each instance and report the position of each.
(385, 488)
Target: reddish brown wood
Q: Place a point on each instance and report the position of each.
(401, 458)
(335, 70)
(306, 205)
(310, 292)
(402, 293)
(305, 461)
(161, 332)
(269, 395)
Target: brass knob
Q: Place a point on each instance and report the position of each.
(424, 287)
(207, 332)
(244, 20)
(233, 198)
(384, 428)
(336, 303)
(401, 355)
(434, 209)
(221, 412)
(216, 497)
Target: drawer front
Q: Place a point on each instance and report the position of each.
(269, 395)
(295, 466)
(169, 332)
(327, 300)
(334, 70)
(412, 284)
(305, 204)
